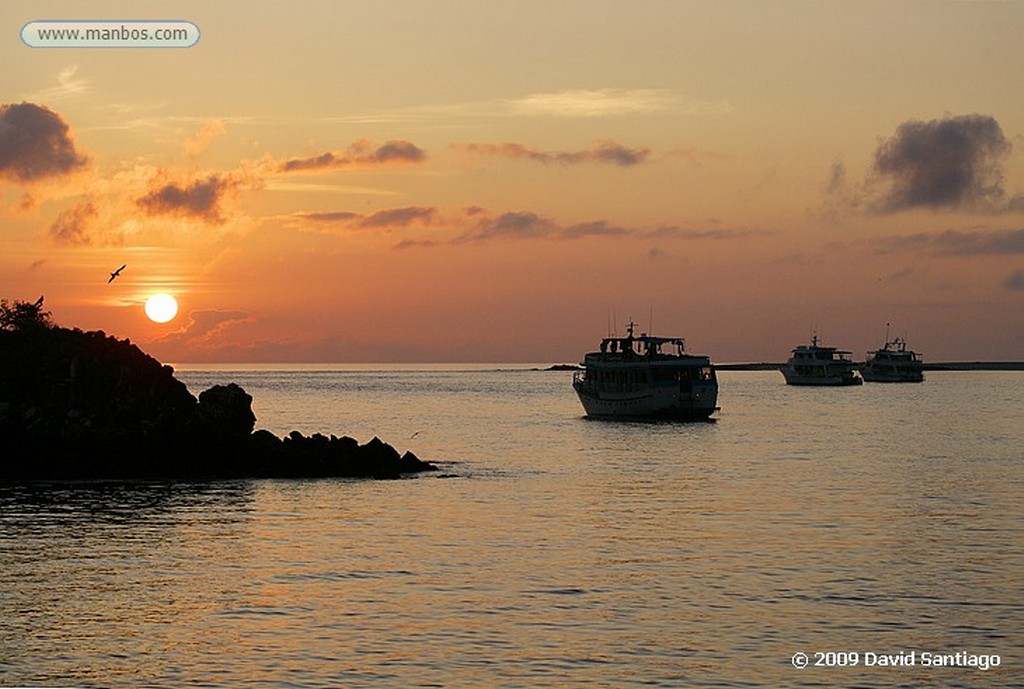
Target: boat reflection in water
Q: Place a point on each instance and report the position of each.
(646, 377)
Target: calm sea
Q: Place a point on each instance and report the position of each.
(859, 526)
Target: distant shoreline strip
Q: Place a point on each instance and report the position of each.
(941, 366)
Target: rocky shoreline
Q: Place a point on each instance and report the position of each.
(85, 405)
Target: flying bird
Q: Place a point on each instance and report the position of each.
(39, 302)
(116, 273)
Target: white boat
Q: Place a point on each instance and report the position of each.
(893, 363)
(815, 364)
(646, 377)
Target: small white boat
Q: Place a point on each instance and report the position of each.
(815, 364)
(893, 363)
(646, 377)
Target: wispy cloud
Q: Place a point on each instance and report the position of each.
(388, 218)
(360, 154)
(613, 102)
(570, 103)
(201, 140)
(956, 242)
(74, 226)
(475, 225)
(68, 84)
(606, 151)
(204, 327)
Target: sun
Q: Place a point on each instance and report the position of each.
(161, 308)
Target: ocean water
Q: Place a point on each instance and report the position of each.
(858, 526)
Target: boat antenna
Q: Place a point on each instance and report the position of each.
(650, 321)
(887, 332)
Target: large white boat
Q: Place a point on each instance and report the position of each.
(815, 364)
(646, 377)
(893, 363)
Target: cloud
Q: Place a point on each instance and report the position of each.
(198, 199)
(387, 218)
(597, 228)
(416, 244)
(524, 225)
(35, 144)
(953, 163)
(674, 232)
(204, 326)
(73, 226)
(1016, 281)
(515, 225)
(571, 103)
(956, 243)
(194, 145)
(359, 154)
(329, 216)
(612, 102)
(601, 152)
(67, 85)
(399, 217)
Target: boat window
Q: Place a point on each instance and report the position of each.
(664, 374)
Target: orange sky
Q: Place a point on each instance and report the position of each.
(453, 181)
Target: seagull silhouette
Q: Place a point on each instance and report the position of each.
(116, 273)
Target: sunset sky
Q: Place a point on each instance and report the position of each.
(442, 181)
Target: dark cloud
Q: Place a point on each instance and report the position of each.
(399, 217)
(480, 226)
(402, 151)
(951, 163)
(74, 226)
(611, 152)
(674, 232)
(386, 218)
(329, 217)
(597, 228)
(35, 143)
(1016, 281)
(601, 152)
(515, 225)
(198, 199)
(957, 242)
(359, 154)
(415, 244)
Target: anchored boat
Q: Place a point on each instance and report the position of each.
(893, 363)
(815, 364)
(646, 377)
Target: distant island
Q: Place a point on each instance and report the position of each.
(85, 405)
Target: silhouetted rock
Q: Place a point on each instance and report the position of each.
(227, 408)
(79, 405)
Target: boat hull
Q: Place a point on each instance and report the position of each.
(698, 404)
(876, 376)
(821, 379)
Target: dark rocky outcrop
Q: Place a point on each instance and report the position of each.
(78, 405)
